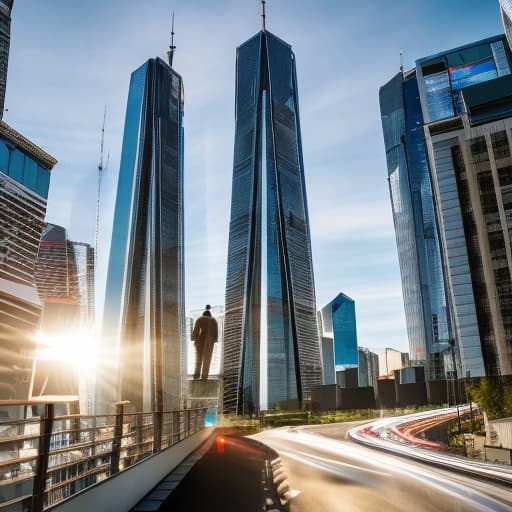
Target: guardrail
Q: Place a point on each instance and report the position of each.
(46, 459)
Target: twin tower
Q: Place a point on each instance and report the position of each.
(271, 340)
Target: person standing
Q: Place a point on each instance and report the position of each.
(205, 335)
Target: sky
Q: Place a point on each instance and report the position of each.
(70, 59)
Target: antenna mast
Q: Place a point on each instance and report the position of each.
(98, 198)
(172, 48)
(401, 61)
(263, 14)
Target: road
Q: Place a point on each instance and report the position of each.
(228, 478)
(327, 472)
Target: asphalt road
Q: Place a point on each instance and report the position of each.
(228, 478)
(326, 472)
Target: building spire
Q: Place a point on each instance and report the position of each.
(172, 48)
(401, 61)
(263, 14)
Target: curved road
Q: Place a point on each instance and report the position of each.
(327, 472)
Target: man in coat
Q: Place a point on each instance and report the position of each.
(205, 336)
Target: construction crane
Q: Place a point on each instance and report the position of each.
(101, 168)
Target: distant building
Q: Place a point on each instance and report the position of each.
(328, 367)
(339, 323)
(24, 181)
(5, 41)
(271, 342)
(368, 368)
(144, 317)
(389, 361)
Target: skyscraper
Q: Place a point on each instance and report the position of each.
(419, 253)
(466, 102)
(271, 341)
(24, 181)
(144, 304)
(506, 16)
(5, 41)
(339, 323)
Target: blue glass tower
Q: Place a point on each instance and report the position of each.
(419, 254)
(144, 303)
(272, 349)
(339, 323)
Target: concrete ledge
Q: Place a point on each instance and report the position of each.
(123, 491)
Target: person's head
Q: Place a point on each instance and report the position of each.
(207, 313)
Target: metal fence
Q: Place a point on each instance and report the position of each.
(46, 459)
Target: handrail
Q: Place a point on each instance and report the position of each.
(62, 455)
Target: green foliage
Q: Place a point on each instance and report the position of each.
(493, 397)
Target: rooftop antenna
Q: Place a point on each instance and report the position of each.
(401, 61)
(263, 14)
(172, 48)
(101, 167)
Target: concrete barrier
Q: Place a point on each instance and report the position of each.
(124, 490)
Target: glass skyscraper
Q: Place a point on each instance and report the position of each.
(466, 100)
(419, 254)
(339, 323)
(24, 182)
(271, 340)
(506, 16)
(144, 303)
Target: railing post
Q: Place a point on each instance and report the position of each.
(157, 431)
(45, 434)
(116, 441)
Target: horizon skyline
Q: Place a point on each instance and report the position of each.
(348, 251)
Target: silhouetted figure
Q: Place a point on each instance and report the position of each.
(204, 335)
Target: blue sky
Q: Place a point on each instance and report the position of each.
(69, 59)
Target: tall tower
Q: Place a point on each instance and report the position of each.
(144, 303)
(419, 251)
(5, 41)
(271, 341)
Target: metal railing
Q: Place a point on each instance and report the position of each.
(46, 459)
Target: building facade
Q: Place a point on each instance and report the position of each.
(466, 104)
(144, 316)
(328, 366)
(271, 341)
(5, 42)
(339, 323)
(368, 368)
(24, 181)
(419, 253)
(506, 16)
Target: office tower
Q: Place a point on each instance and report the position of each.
(144, 316)
(339, 323)
(416, 230)
(83, 259)
(506, 16)
(64, 277)
(270, 324)
(466, 102)
(24, 181)
(368, 368)
(5, 40)
(328, 366)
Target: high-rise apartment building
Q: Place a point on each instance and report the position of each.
(5, 41)
(271, 340)
(144, 316)
(338, 319)
(419, 254)
(466, 100)
(24, 181)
